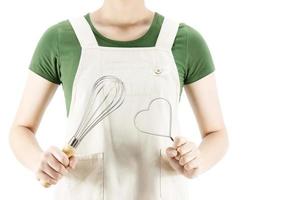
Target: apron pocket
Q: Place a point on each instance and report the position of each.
(172, 184)
(86, 180)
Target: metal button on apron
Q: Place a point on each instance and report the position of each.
(157, 71)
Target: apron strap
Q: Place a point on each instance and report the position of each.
(167, 34)
(83, 32)
(87, 38)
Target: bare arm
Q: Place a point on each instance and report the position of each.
(196, 159)
(48, 165)
(35, 98)
(204, 100)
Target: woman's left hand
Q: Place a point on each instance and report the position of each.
(184, 157)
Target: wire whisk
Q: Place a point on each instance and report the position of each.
(106, 95)
(110, 92)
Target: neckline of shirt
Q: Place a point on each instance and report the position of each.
(146, 35)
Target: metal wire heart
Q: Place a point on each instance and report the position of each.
(147, 110)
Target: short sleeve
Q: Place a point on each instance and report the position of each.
(199, 62)
(45, 59)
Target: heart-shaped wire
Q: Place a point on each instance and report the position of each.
(147, 109)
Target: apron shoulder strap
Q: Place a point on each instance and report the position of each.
(83, 31)
(167, 34)
(86, 37)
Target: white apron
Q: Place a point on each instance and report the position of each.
(120, 159)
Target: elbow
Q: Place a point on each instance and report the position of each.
(224, 140)
(11, 136)
(221, 139)
(13, 131)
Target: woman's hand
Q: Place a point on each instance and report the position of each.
(184, 157)
(48, 166)
(53, 164)
(188, 158)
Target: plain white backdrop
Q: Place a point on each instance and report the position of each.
(255, 46)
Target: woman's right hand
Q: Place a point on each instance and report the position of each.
(48, 166)
(53, 164)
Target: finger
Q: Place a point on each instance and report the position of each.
(174, 164)
(59, 155)
(73, 162)
(192, 164)
(42, 176)
(178, 156)
(171, 152)
(190, 173)
(187, 157)
(51, 173)
(56, 165)
(186, 148)
(178, 141)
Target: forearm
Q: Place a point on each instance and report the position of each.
(25, 146)
(212, 148)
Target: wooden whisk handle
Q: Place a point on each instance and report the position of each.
(69, 151)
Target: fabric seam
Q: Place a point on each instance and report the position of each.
(58, 54)
(186, 56)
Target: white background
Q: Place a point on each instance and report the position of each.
(255, 46)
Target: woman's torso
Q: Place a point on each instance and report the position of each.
(124, 156)
(56, 57)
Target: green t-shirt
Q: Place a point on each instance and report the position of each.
(57, 53)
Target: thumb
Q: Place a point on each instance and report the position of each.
(73, 162)
(171, 154)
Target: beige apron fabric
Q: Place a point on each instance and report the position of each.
(118, 160)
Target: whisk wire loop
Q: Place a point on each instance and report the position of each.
(110, 91)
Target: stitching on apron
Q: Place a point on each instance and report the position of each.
(160, 172)
(103, 168)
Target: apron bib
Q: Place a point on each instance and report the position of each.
(123, 157)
